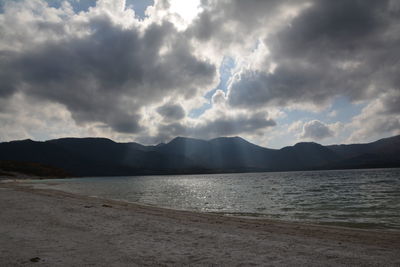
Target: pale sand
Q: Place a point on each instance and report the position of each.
(68, 230)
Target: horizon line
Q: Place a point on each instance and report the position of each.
(192, 138)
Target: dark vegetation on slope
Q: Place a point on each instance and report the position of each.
(11, 168)
(104, 157)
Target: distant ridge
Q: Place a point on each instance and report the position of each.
(104, 157)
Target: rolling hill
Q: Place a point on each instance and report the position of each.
(104, 157)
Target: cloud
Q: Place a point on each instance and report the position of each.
(316, 130)
(228, 126)
(330, 48)
(171, 111)
(22, 118)
(219, 97)
(103, 72)
(234, 21)
(380, 118)
(390, 103)
(241, 16)
(223, 125)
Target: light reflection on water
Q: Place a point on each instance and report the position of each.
(358, 198)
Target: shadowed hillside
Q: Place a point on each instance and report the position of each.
(104, 157)
(11, 168)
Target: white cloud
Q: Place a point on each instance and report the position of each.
(379, 118)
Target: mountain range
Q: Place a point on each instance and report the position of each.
(104, 157)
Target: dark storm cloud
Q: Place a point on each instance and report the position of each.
(332, 48)
(7, 76)
(171, 111)
(124, 123)
(316, 130)
(220, 126)
(225, 126)
(108, 75)
(392, 103)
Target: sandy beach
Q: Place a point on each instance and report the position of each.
(53, 228)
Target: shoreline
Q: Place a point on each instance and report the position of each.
(29, 185)
(32, 182)
(271, 238)
(28, 177)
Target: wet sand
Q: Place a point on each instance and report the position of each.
(52, 228)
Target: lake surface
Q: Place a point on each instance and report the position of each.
(354, 198)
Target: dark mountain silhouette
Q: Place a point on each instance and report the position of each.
(304, 156)
(104, 157)
(220, 154)
(382, 153)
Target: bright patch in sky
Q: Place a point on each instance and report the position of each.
(187, 9)
(225, 71)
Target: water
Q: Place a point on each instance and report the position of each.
(354, 198)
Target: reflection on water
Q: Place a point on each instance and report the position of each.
(361, 198)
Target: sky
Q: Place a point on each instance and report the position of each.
(275, 72)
